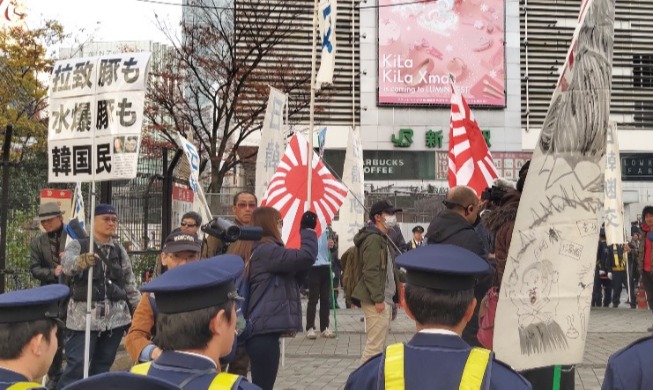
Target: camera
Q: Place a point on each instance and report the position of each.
(493, 194)
(228, 231)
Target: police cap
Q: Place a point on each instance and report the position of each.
(197, 285)
(442, 267)
(32, 304)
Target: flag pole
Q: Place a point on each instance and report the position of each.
(89, 287)
(311, 120)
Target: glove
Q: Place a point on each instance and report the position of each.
(309, 220)
(86, 260)
(610, 275)
(601, 272)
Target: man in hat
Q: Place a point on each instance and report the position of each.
(45, 252)
(376, 291)
(179, 248)
(196, 323)
(440, 298)
(418, 238)
(114, 294)
(28, 334)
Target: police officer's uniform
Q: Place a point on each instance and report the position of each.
(22, 306)
(190, 287)
(437, 358)
(630, 368)
(121, 380)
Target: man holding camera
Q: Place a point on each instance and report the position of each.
(114, 294)
(244, 204)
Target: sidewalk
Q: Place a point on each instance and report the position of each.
(326, 363)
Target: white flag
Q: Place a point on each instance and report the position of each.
(543, 310)
(614, 205)
(78, 210)
(352, 212)
(327, 22)
(273, 143)
(199, 201)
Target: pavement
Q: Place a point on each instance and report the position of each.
(326, 363)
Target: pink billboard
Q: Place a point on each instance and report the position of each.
(421, 44)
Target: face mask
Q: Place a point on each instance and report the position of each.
(390, 221)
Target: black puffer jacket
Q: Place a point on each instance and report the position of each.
(449, 227)
(273, 281)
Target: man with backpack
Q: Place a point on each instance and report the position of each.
(373, 276)
(114, 294)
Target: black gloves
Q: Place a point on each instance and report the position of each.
(309, 220)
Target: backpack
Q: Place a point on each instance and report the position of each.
(353, 270)
(486, 314)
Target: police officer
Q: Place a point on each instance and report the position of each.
(440, 298)
(196, 324)
(119, 380)
(418, 238)
(630, 368)
(28, 334)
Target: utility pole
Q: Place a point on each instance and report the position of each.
(5, 206)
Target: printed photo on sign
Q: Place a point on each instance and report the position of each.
(422, 43)
(131, 144)
(118, 145)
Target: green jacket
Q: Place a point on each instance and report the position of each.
(373, 249)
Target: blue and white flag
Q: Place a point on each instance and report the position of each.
(321, 140)
(78, 214)
(327, 21)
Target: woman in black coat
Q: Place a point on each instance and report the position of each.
(275, 273)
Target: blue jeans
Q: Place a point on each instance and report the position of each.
(264, 352)
(103, 348)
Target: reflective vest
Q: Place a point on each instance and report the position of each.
(222, 381)
(25, 386)
(472, 378)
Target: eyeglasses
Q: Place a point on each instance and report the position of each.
(280, 222)
(188, 224)
(110, 219)
(246, 205)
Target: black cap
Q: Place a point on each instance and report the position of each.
(32, 304)
(179, 241)
(418, 228)
(383, 206)
(197, 285)
(443, 267)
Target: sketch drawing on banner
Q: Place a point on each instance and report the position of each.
(538, 328)
(550, 264)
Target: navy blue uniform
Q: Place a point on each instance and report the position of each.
(8, 378)
(434, 361)
(630, 368)
(191, 371)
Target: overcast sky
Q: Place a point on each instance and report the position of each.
(104, 20)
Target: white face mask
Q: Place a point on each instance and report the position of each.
(390, 221)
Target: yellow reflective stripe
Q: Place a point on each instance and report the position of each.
(141, 369)
(25, 386)
(394, 367)
(475, 368)
(223, 381)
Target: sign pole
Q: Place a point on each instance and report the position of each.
(89, 288)
(311, 120)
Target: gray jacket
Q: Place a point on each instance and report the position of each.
(42, 263)
(116, 313)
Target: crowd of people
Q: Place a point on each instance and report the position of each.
(211, 323)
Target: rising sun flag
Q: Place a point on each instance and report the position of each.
(287, 191)
(470, 161)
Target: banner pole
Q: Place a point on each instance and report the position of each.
(89, 288)
(311, 121)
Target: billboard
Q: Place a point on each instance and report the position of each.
(422, 43)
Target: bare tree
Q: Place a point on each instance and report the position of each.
(216, 83)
